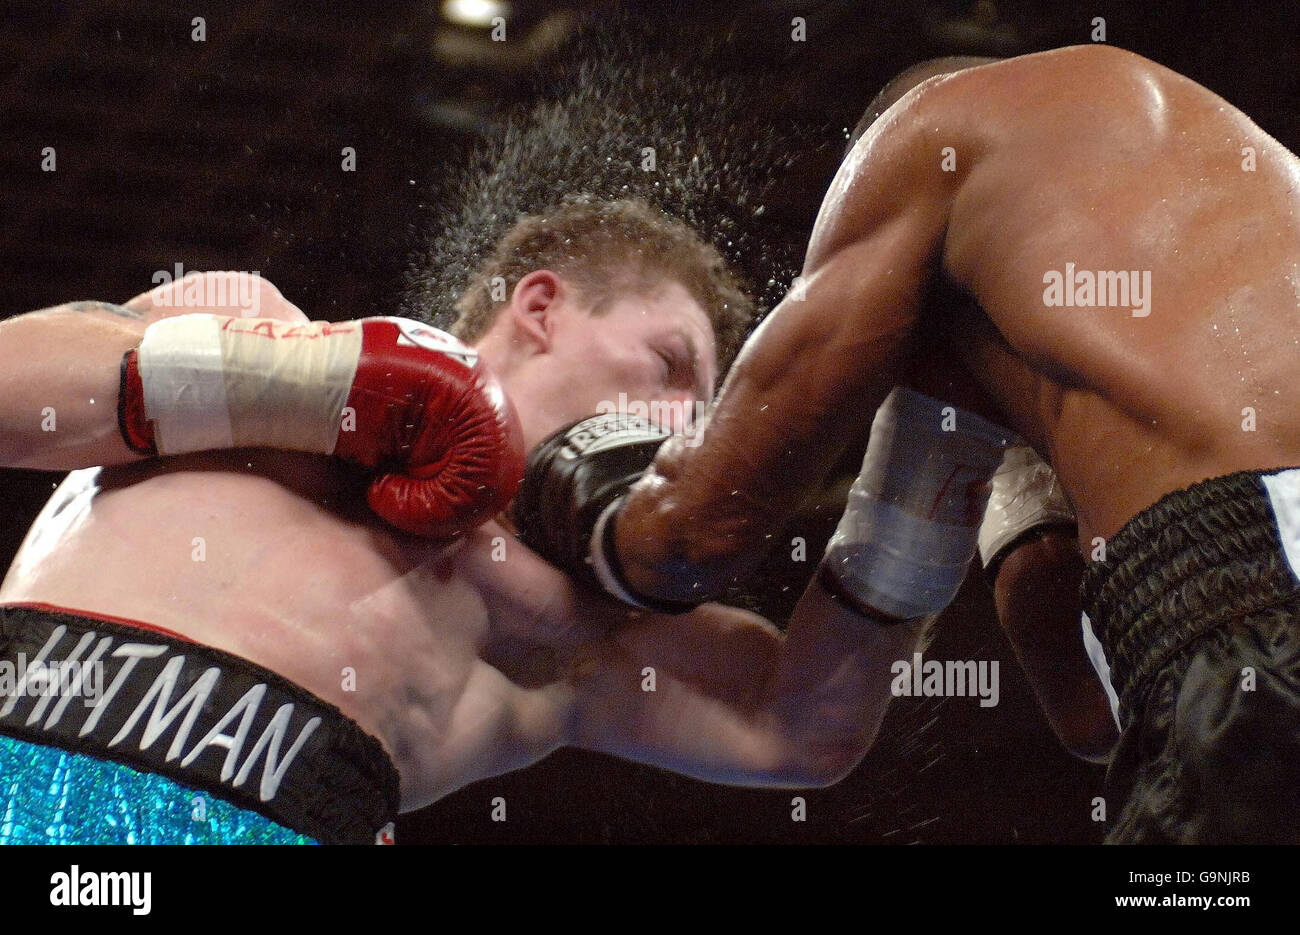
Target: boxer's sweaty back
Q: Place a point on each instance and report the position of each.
(1134, 241)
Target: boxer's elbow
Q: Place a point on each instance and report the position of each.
(1038, 607)
(819, 765)
(1099, 753)
(1080, 718)
(1078, 712)
(826, 751)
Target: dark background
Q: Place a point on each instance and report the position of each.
(225, 154)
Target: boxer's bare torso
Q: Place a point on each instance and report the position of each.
(274, 557)
(465, 660)
(1101, 159)
(456, 657)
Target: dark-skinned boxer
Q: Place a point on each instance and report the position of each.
(1131, 240)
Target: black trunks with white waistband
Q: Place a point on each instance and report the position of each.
(1197, 605)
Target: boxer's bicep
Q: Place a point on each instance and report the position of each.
(720, 694)
(244, 295)
(685, 693)
(805, 381)
(882, 221)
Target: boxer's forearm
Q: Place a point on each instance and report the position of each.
(1037, 594)
(805, 383)
(60, 370)
(831, 685)
(732, 700)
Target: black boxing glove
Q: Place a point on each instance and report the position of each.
(573, 486)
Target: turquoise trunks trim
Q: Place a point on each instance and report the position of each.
(105, 718)
(52, 796)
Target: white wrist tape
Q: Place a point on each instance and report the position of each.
(216, 382)
(601, 561)
(1026, 494)
(909, 530)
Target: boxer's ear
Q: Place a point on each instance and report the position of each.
(533, 307)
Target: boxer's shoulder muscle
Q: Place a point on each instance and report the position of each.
(1106, 169)
(215, 293)
(898, 168)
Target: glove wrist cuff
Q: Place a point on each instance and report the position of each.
(993, 563)
(609, 571)
(841, 593)
(132, 421)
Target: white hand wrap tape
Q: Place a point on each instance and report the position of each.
(216, 382)
(1026, 494)
(909, 530)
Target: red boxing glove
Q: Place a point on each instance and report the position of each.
(394, 395)
(437, 423)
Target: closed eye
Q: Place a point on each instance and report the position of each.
(681, 363)
(670, 367)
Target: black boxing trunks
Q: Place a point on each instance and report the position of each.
(117, 732)
(1197, 606)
